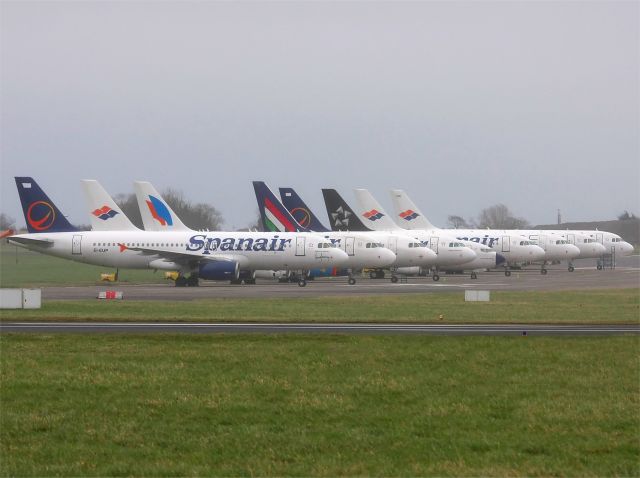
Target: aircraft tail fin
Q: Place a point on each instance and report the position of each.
(40, 213)
(341, 216)
(407, 213)
(274, 216)
(105, 214)
(156, 214)
(373, 213)
(300, 211)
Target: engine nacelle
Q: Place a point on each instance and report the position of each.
(264, 274)
(219, 270)
(164, 265)
(409, 271)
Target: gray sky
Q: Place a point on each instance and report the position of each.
(462, 104)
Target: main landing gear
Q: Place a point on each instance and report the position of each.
(571, 268)
(191, 281)
(474, 275)
(377, 274)
(302, 282)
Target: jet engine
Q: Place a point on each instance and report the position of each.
(219, 270)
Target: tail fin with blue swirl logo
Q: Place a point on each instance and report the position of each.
(40, 213)
(300, 211)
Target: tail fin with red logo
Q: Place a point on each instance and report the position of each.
(40, 213)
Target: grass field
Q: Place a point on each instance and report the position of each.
(236, 405)
(593, 306)
(22, 268)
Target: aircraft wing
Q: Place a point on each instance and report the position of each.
(30, 241)
(182, 257)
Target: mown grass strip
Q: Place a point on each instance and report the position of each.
(593, 306)
(242, 405)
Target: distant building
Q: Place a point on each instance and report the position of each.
(628, 229)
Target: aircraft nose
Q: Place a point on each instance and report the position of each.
(599, 248)
(572, 251)
(338, 256)
(386, 257)
(537, 253)
(500, 259)
(469, 254)
(627, 249)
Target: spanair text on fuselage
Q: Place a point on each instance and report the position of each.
(137, 249)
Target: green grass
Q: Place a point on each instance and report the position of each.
(22, 268)
(593, 306)
(239, 405)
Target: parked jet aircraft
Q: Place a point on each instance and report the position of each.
(210, 255)
(516, 245)
(364, 250)
(450, 252)
(408, 249)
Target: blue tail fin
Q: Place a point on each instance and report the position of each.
(274, 216)
(341, 216)
(299, 210)
(40, 213)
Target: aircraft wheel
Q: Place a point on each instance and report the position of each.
(352, 281)
(192, 281)
(599, 267)
(394, 279)
(571, 269)
(181, 281)
(302, 283)
(474, 275)
(436, 277)
(507, 273)
(543, 271)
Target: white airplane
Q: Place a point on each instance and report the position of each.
(365, 251)
(517, 245)
(156, 213)
(210, 255)
(378, 219)
(449, 252)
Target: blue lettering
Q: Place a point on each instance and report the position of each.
(248, 243)
(212, 245)
(274, 241)
(227, 244)
(260, 244)
(196, 244)
(283, 242)
(492, 240)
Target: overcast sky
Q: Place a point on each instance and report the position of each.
(462, 104)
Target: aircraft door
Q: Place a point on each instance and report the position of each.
(433, 244)
(600, 238)
(506, 244)
(76, 245)
(349, 245)
(300, 245)
(571, 238)
(393, 244)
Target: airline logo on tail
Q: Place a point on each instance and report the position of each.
(275, 220)
(41, 215)
(408, 215)
(301, 215)
(373, 215)
(159, 211)
(104, 213)
(340, 217)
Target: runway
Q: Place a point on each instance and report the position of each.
(310, 328)
(557, 278)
